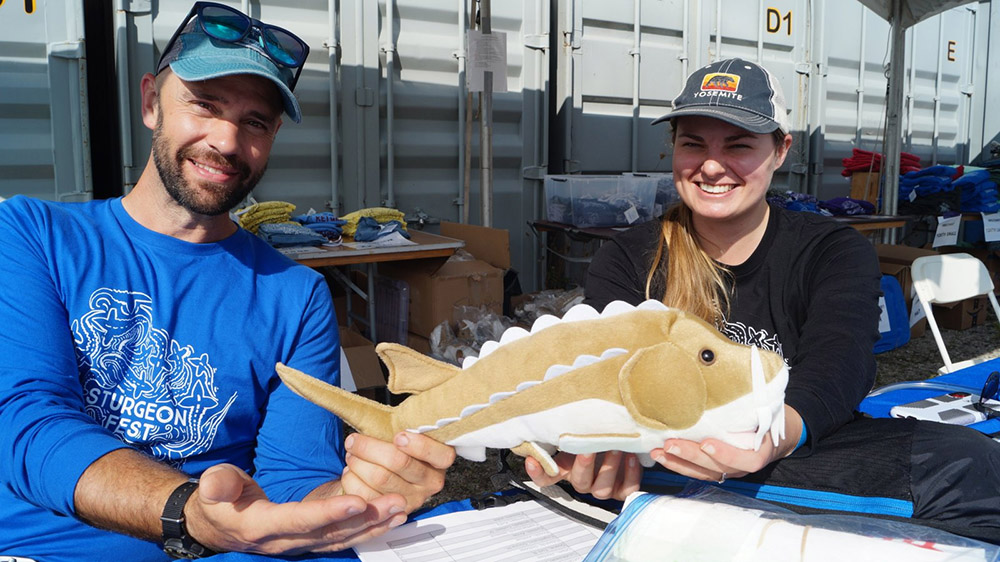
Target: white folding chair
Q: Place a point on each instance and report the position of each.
(950, 278)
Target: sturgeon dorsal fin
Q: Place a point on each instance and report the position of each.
(422, 372)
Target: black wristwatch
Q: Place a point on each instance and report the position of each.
(176, 542)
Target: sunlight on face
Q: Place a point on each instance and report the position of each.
(722, 171)
(212, 139)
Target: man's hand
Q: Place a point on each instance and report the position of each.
(125, 491)
(412, 466)
(610, 475)
(230, 512)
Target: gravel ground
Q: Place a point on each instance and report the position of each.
(918, 359)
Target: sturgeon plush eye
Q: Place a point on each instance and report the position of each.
(707, 356)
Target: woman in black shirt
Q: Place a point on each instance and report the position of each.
(795, 283)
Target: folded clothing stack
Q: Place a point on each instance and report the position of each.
(929, 191)
(370, 229)
(927, 181)
(866, 161)
(979, 191)
(280, 235)
(794, 201)
(274, 212)
(325, 223)
(380, 214)
(839, 206)
(846, 206)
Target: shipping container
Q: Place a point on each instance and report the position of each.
(44, 121)
(389, 120)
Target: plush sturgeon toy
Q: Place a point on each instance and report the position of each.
(624, 379)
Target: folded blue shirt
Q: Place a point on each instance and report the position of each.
(370, 229)
(280, 235)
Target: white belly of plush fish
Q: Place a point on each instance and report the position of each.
(594, 426)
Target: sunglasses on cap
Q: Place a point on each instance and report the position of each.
(990, 391)
(224, 23)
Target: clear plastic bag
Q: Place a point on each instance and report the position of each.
(705, 523)
(446, 346)
(552, 301)
(474, 326)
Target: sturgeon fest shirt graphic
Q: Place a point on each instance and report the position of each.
(149, 390)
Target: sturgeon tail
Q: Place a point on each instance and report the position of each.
(367, 416)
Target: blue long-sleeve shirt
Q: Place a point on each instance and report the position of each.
(112, 336)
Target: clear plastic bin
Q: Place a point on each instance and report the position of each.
(600, 200)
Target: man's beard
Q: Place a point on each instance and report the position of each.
(216, 199)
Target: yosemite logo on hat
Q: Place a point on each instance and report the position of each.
(720, 81)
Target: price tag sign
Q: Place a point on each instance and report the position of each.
(947, 231)
(991, 226)
(883, 320)
(916, 313)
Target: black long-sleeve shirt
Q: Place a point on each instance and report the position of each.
(809, 291)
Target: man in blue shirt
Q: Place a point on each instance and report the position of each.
(138, 339)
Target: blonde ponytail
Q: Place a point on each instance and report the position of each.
(693, 281)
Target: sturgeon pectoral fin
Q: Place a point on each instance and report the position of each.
(422, 372)
(535, 451)
(650, 383)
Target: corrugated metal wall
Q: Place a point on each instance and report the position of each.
(384, 98)
(985, 121)
(828, 55)
(629, 59)
(299, 169)
(43, 111)
(939, 83)
(429, 103)
(406, 151)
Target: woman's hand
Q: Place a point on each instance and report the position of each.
(715, 460)
(612, 475)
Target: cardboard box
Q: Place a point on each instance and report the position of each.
(340, 308)
(437, 285)
(894, 253)
(961, 315)
(419, 343)
(865, 186)
(895, 260)
(491, 245)
(363, 363)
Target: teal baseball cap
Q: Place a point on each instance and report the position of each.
(194, 56)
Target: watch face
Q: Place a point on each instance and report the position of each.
(175, 548)
(185, 547)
